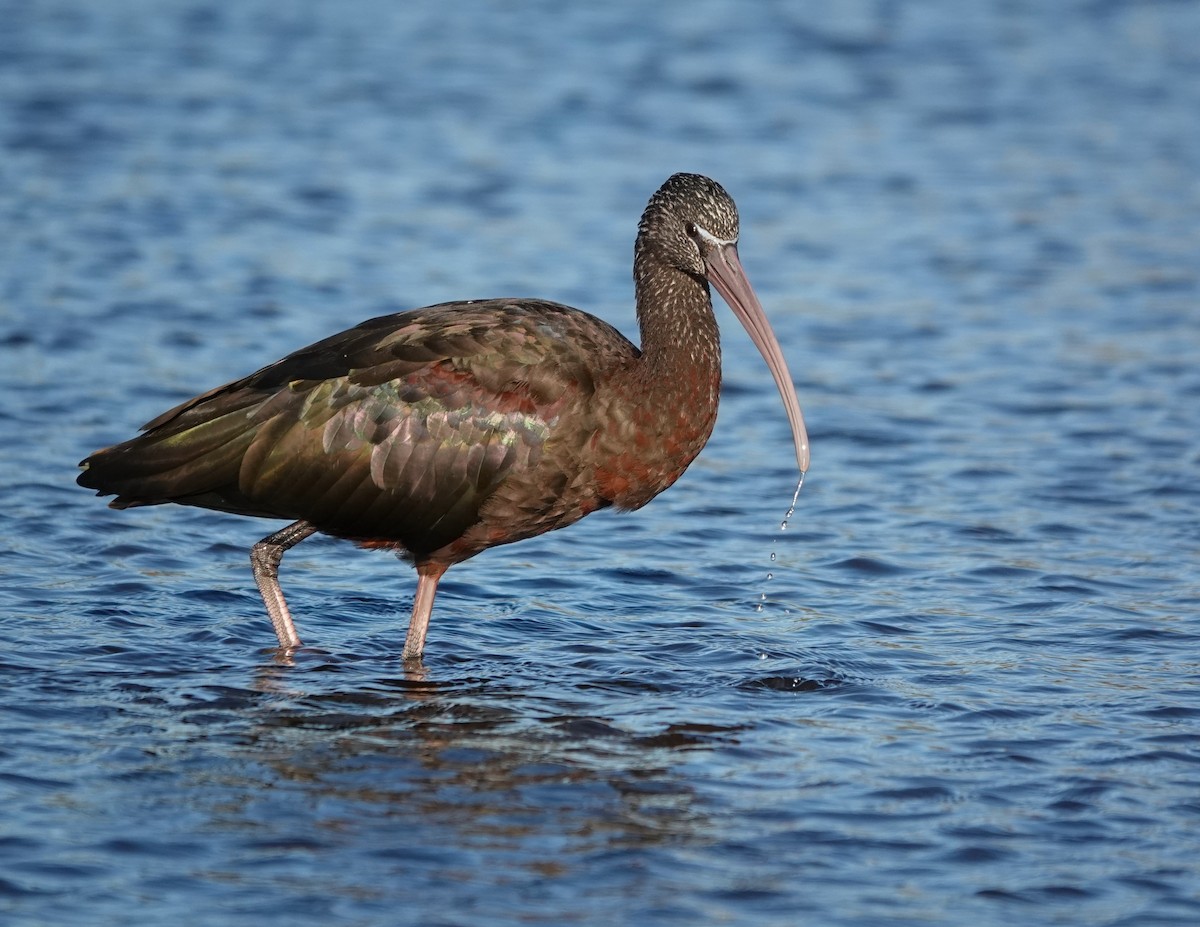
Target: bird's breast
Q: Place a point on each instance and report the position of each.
(646, 440)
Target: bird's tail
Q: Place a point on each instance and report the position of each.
(192, 457)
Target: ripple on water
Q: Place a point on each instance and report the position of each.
(967, 695)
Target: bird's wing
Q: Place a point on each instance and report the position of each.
(396, 429)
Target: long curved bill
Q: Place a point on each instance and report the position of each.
(725, 272)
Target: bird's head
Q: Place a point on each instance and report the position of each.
(691, 224)
(689, 217)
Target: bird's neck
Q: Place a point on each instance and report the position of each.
(681, 347)
(662, 407)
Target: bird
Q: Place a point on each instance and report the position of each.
(441, 432)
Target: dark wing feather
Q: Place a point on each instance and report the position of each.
(396, 430)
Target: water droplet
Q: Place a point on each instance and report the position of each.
(782, 527)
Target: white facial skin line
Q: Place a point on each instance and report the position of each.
(712, 239)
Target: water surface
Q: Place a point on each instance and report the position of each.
(970, 695)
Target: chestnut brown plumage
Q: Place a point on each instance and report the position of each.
(447, 430)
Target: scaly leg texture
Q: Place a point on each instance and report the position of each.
(264, 558)
(428, 575)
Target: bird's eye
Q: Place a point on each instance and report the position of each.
(692, 231)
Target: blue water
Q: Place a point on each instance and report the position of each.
(972, 693)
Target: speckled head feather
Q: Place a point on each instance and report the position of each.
(683, 202)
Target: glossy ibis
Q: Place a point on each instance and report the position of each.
(443, 431)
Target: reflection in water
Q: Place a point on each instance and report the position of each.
(415, 770)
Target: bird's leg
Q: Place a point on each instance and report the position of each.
(264, 558)
(428, 575)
